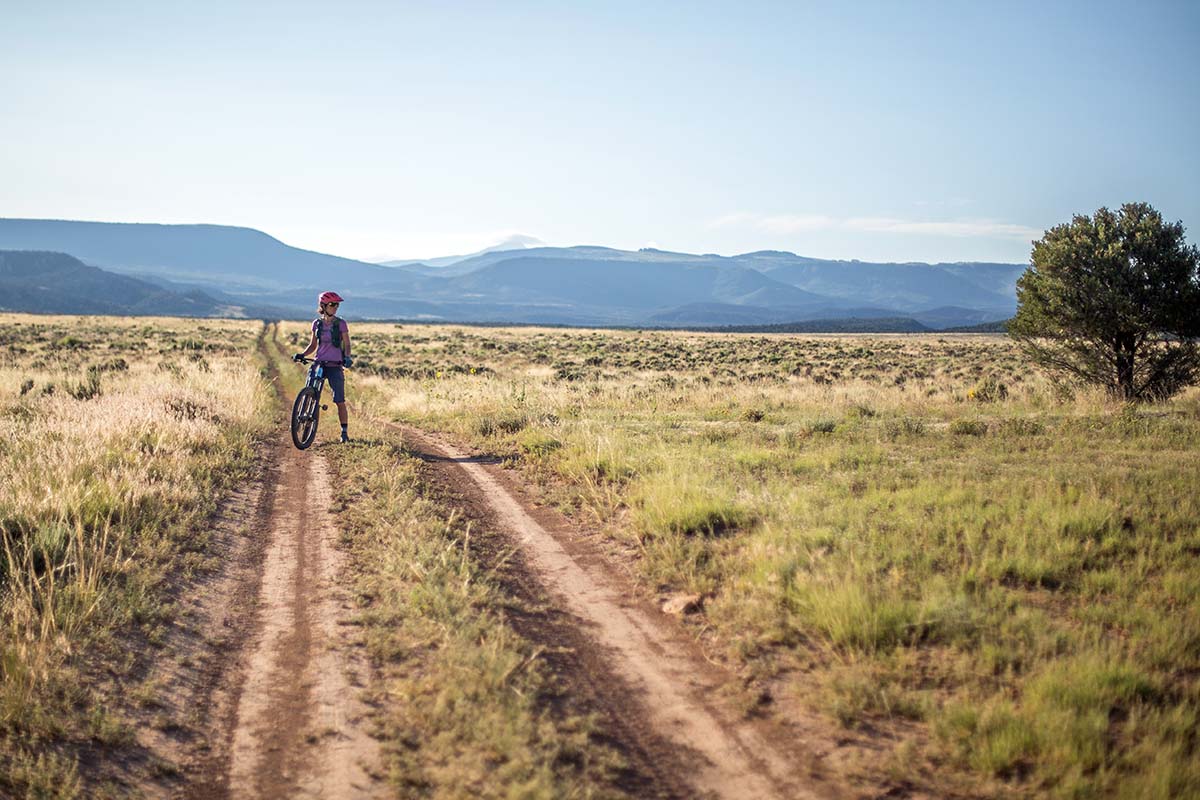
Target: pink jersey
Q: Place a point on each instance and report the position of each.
(325, 349)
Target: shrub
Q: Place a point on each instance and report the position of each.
(988, 390)
(860, 411)
(504, 422)
(968, 427)
(822, 426)
(69, 343)
(89, 388)
(905, 426)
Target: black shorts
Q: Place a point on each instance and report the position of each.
(335, 376)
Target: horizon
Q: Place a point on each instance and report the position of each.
(876, 133)
(495, 246)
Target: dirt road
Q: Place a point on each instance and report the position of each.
(262, 677)
(659, 676)
(300, 727)
(266, 700)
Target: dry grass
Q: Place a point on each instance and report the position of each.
(116, 439)
(1000, 569)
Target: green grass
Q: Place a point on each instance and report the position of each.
(915, 534)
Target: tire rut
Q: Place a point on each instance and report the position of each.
(261, 697)
(646, 673)
(300, 726)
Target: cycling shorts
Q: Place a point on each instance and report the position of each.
(336, 378)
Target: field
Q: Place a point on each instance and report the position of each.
(969, 580)
(117, 437)
(920, 538)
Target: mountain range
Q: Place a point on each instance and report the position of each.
(240, 271)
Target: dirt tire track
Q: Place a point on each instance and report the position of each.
(260, 696)
(301, 729)
(191, 717)
(722, 756)
(300, 725)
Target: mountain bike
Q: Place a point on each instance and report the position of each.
(306, 411)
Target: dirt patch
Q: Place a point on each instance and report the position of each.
(640, 667)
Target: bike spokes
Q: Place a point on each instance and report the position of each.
(306, 412)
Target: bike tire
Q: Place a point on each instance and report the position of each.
(306, 413)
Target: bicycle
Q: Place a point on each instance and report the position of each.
(306, 411)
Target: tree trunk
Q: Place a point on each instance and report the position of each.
(1125, 351)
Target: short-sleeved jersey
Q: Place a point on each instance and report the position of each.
(325, 349)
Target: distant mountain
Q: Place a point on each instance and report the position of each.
(56, 283)
(583, 285)
(908, 286)
(516, 242)
(848, 325)
(619, 284)
(213, 255)
(1000, 326)
(694, 315)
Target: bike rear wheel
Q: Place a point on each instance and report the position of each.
(306, 413)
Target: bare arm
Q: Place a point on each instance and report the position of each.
(312, 344)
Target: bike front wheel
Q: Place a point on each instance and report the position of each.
(306, 412)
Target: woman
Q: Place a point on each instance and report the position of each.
(331, 340)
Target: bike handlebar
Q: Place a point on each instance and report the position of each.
(303, 360)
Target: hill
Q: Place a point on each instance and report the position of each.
(216, 255)
(583, 285)
(56, 283)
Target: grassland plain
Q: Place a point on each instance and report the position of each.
(467, 705)
(118, 438)
(920, 536)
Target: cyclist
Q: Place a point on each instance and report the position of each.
(331, 340)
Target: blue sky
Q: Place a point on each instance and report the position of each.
(882, 131)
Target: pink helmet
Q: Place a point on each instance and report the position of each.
(329, 297)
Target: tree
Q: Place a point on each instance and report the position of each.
(1114, 300)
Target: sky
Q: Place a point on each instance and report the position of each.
(890, 131)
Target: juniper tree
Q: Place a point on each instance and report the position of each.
(1114, 300)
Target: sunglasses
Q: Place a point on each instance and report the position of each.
(333, 304)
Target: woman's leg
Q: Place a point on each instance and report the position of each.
(343, 415)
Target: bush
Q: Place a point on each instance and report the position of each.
(989, 390)
(504, 422)
(89, 388)
(968, 427)
(905, 426)
(822, 426)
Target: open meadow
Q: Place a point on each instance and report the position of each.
(920, 539)
(117, 439)
(959, 578)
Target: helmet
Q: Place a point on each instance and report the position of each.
(329, 297)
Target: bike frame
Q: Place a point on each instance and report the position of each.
(316, 375)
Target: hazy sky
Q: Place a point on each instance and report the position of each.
(885, 131)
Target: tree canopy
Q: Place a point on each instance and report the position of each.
(1114, 300)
